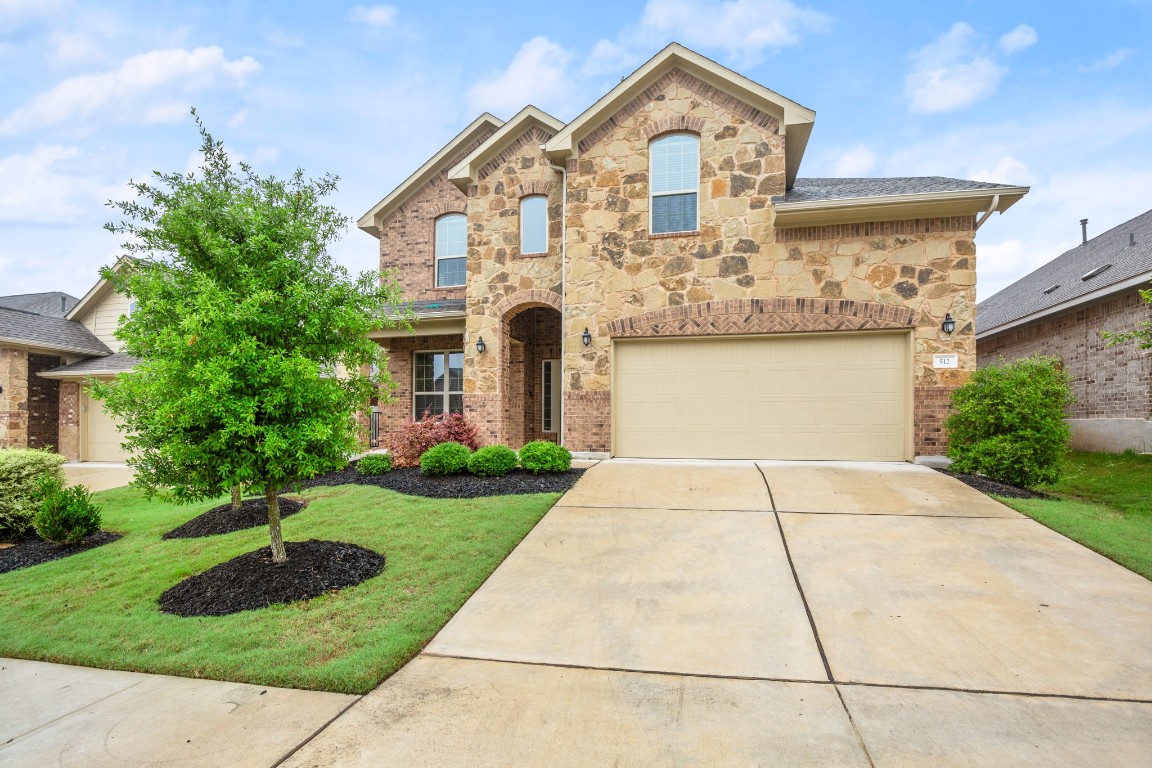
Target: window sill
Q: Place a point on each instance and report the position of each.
(667, 235)
(541, 255)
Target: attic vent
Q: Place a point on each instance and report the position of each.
(1093, 273)
(1051, 288)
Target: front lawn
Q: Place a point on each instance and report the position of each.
(1104, 501)
(99, 608)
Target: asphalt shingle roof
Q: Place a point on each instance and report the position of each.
(52, 303)
(114, 363)
(45, 332)
(1027, 295)
(813, 190)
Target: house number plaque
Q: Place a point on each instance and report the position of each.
(945, 361)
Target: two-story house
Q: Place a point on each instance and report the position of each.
(653, 279)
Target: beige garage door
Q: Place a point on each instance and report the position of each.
(101, 440)
(842, 396)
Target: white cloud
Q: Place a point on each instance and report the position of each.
(131, 90)
(1111, 61)
(1007, 170)
(374, 15)
(16, 13)
(538, 74)
(949, 74)
(858, 161)
(1018, 39)
(34, 190)
(743, 29)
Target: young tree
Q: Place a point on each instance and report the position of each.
(241, 323)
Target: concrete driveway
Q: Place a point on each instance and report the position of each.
(737, 614)
(98, 476)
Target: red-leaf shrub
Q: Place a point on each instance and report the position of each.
(415, 437)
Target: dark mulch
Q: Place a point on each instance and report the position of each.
(30, 549)
(222, 519)
(253, 581)
(465, 486)
(994, 487)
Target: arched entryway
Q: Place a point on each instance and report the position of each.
(530, 375)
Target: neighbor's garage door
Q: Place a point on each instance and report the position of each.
(98, 431)
(842, 396)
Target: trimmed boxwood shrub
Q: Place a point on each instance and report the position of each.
(543, 456)
(409, 443)
(492, 461)
(445, 459)
(374, 464)
(21, 470)
(1009, 422)
(65, 515)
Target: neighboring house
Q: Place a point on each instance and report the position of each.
(50, 345)
(1061, 308)
(653, 279)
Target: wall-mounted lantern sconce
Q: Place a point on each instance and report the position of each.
(480, 345)
(586, 337)
(949, 324)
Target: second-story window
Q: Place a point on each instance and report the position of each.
(451, 249)
(674, 179)
(534, 224)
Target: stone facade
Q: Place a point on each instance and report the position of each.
(1109, 382)
(69, 420)
(14, 398)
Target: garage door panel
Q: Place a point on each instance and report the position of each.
(101, 438)
(801, 397)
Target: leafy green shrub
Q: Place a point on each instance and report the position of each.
(66, 515)
(21, 470)
(1008, 423)
(374, 464)
(543, 456)
(492, 461)
(444, 459)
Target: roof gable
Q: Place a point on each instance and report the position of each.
(476, 132)
(795, 120)
(529, 124)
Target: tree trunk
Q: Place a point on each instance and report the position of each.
(278, 553)
(235, 498)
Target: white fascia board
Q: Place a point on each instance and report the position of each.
(1099, 293)
(876, 207)
(465, 171)
(7, 341)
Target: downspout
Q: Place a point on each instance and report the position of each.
(991, 209)
(563, 291)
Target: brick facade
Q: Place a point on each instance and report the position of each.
(43, 403)
(401, 358)
(1109, 382)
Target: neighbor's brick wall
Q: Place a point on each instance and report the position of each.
(68, 427)
(1109, 382)
(14, 398)
(43, 403)
(407, 236)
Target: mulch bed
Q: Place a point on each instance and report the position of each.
(994, 487)
(30, 549)
(253, 581)
(464, 486)
(222, 519)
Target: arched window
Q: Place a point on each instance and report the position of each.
(534, 224)
(451, 249)
(674, 181)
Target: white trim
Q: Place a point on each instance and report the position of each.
(447, 379)
(668, 193)
(465, 172)
(523, 200)
(554, 391)
(49, 346)
(851, 210)
(437, 258)
(1099, 293)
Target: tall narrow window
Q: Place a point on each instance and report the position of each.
(550, 396)
(451, 248)
(534, 224)
(439, 383)
(674, 164)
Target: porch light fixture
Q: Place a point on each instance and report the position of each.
(586, 337)
(480, 345)
(949, 324)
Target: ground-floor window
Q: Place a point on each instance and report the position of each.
(439, 383)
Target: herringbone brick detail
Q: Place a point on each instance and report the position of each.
(780, 315)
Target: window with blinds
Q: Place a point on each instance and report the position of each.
(674, 181)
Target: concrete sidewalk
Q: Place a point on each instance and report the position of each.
(734, 614)
(59, 715)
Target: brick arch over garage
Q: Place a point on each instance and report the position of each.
(522, 300)
(746, 316)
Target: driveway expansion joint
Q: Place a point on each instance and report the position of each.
(989, 692)
(284, 758)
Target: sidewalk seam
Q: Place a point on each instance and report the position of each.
(54, 720)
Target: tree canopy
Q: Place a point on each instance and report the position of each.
(253, 346)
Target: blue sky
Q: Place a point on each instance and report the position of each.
(1050, 94)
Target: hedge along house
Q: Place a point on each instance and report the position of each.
(1061, 308)
(653, 279)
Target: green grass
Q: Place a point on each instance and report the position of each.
(99, 608)
(1105, 503)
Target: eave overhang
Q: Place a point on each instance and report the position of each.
(856, 210)
(467, 170)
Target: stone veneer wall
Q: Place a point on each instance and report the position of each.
(43, 403)
(1109, 382)
(68, 428)
(407, 236)
(14, 398)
